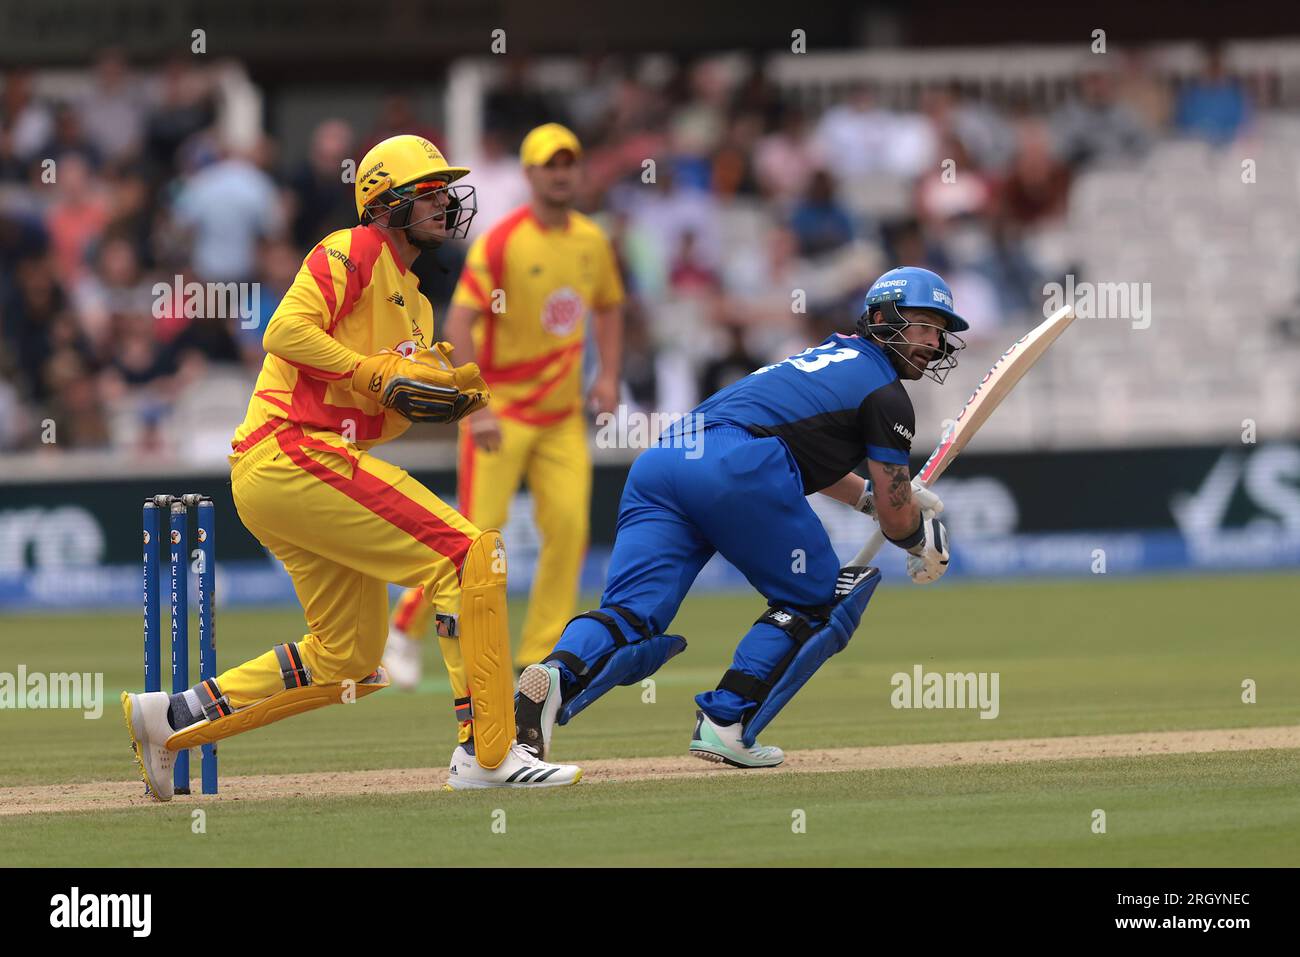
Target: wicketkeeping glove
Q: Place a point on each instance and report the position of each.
(927, 560)
(425, 387)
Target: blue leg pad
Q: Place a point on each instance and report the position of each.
(627, 665)
(831, 638)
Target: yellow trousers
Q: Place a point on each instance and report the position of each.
(345, 524)
(556, 463)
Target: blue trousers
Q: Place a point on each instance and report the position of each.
(741, 497)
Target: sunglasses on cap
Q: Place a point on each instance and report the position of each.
(416, 190)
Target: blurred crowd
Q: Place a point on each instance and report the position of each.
(748, 226)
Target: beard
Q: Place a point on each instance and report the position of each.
(424, 242)
(907, 363)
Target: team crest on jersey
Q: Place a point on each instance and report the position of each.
(562, 311)
(418, 333)
(407, 348)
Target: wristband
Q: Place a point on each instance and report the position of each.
(909, 541)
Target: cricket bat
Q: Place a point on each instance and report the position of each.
(988, 395)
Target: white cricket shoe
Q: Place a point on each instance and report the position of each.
(146, 720)
(402, 659)
(520, 769)
(722, 743)
(537, 702)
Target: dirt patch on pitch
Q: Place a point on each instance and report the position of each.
(116, 795)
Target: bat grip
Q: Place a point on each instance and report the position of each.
(869, 550)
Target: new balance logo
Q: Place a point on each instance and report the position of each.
(396, 298)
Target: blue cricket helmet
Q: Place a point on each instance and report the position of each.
(918, 288)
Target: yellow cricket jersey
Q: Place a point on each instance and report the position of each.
(533, 289)
(353, 297)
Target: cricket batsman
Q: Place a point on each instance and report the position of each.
(348, 367)
(738, 487)
(521, 311)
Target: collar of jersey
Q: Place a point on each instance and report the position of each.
(392, 248)
(864, 345)
(856, 341)
(542, 227)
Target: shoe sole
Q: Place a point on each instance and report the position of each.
(480, 786)
(705, 753)
(136, 751)
(535, 687)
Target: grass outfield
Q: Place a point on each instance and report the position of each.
(1086, 657)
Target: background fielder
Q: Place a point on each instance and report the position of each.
(521, 310)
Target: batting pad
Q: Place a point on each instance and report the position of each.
(282, 704)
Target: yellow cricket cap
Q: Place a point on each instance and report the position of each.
(545, 141)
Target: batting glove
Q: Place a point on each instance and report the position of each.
(927, 560)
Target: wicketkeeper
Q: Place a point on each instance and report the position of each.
(348, 367)
(739, 488)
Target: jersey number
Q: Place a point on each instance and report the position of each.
(806, 361)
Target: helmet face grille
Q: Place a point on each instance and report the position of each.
(888, 333)
(459, 211)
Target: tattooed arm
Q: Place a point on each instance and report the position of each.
(897, 513)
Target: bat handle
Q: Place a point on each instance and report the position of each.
(869, 550)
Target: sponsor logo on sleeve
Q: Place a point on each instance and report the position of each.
(342, 257)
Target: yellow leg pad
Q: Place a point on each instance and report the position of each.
(282, 704)
(485, 646)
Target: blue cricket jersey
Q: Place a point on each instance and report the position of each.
(834, 405)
